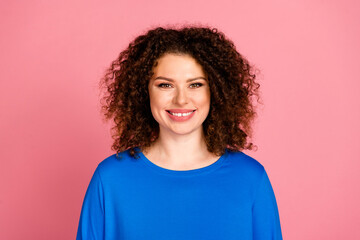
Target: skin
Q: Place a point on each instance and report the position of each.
(179, 82)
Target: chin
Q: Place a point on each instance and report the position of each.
(185, 131)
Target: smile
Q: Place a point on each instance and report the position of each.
(180, 114)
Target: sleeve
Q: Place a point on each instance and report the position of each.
(91, 224)
(266, 220)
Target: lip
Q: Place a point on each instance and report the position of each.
(180, 118)
(180, 110)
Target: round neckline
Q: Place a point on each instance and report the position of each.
(191, 172)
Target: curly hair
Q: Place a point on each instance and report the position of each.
(231, 80)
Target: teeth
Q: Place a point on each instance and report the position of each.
(181, 114)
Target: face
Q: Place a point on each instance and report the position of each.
(179, 94)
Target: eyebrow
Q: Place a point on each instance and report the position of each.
(172, 80)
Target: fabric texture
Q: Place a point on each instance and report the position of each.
(132, 198)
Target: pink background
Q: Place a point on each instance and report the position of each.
(53, 54)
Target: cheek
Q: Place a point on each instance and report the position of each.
(152, 99)
(154, 105)
(157, 104)
(205, 99)
(156, 100)
(206, 103)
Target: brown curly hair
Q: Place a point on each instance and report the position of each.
(231, 80)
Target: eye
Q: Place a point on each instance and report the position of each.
(164, 85)
(196, 85)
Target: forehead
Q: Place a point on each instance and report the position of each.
(178, 65)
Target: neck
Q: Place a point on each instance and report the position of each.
(179, 151)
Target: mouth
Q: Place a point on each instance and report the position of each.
(181, 114)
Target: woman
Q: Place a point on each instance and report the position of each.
(181, 100)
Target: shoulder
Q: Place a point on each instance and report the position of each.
(245, 165)
(115, 164)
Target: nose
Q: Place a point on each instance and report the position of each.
(181, 97)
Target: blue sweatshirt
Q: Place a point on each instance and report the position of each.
(135, 199)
